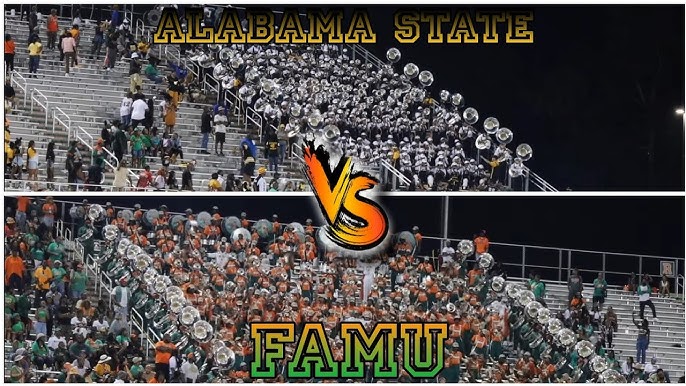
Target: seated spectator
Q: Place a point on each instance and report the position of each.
(664, 286)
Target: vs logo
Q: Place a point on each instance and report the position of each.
(354, 222)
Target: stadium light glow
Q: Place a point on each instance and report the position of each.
(680, 111)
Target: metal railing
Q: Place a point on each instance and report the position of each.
(553, 262)
(538, 181)
(24, 185)
(256, 118)
(397, 176)
(56, 112)
(18, 80)
(36, 96)
(681, 286)
(84, 137)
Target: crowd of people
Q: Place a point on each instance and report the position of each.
(198, 279)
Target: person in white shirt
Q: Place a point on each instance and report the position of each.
(448, 253)
(261, 181)
(79, 324)
(220, 123)
(55, 339)
(138, 109)
(190, 370)
(652, 366)
(100, 324)
(125, 109)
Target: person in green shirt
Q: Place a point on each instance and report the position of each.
(18, 328)
(136, 149)
(58, 273)
(40, 352)
(538, 288)
(136, 369)
(152, 73)
(23, 306)
(56, 250)
(147, 142)
(78, 281)
(599, 290)
(42, 315)
(17, 372)
(38, 254)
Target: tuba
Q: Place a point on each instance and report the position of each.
(485, 261)
(96, 212)
(189, 315)
(202, 331)
(142, 262)
(483, 142)
(451, 308)
(331, 133)
(585, 348)
(504, 135)
(532, 309)
(225, 357)
(498, 284)
(110, 232)
(466, 247)
(176, 304)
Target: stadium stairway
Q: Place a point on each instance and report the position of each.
(92, 95)
(666, 334)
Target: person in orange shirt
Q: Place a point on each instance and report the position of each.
(244, 221)
(481, 243)
(49, 210)
(23, 204)
(164, 350)
(474, 275)
(15, 270)
(10, 51)
(10, 227)
(52, 28)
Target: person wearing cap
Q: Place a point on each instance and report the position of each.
(261, 182)
(17, 374)
(136, 369)
(10, 227)
(189, 369)
(164, 350)
(81, 364)
(122, 297)
(40, 352)
(135, 72)
(481, 243)
(102, 368)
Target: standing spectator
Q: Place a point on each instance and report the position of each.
(169, 108)
(32, 165)
(52, 29)
(643, 338)
(111, 52)
(282, 136)
(538, 288)
(138, 110)
(220, 123)
(116, 17)
(644, 299)
(205, 129)
(78, 281)
(76, 34)
(98, 41)
(481, 243)
(119, 142)
(122, 179)
(261, 181)
(33, 20)
(164, 350)
(249, 152)
(599, 291)
(35, 51)
(575, 284)
(272, 150)
(50, 161)
(49, 209)
(664, 286)
(43, 275)
(135, 72)
(187, 178)
(15, 270)
(69, 49)
(10, 51)
(631, 283)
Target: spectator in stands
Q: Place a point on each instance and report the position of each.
(272, 152)
(575, 284)
(206, 121)
(111, 56)
(125, 109)
(10, 96)
(214, 185)
(32, 165)
(220, 124)
(644, 291)
(35, 51)
(122, 177)
(481, 243)
(261, 181)
(153, 73)
(69, 49)
(15, 270)
(52, 29)
(50, 161)
(138, 111)
(599, 291)
(643, 338)
(96, 175)
(187, 178)
(76, 35)
(164, 350)
(98, 40)
(282, 137)
(116, 17)
(664, 286)
(33, 20)
(249, 152)
(10, 51)
(169, 108)
(135, 72)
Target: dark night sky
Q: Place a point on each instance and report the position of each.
(653, 226)
(572, 94)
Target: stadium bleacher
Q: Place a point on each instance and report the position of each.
(108, 259)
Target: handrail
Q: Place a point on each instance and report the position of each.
(140, 26)
(37, 186)
(177, 54)
(35, 93)
(681, 283)
(403, 178)
(18, 79)
(253, 116)
(67, 125)
(539, 181)
(77, 135)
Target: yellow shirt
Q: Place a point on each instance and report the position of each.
(214, 185)
(35, 49)
(31, 152)
(43, 276)
(102, 368)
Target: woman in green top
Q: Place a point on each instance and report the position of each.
(147, 143)
(18, 328)
(78, 282)
(56, 251)
(40, 353)
(38, 254)
(58, 274)
(136, 149)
